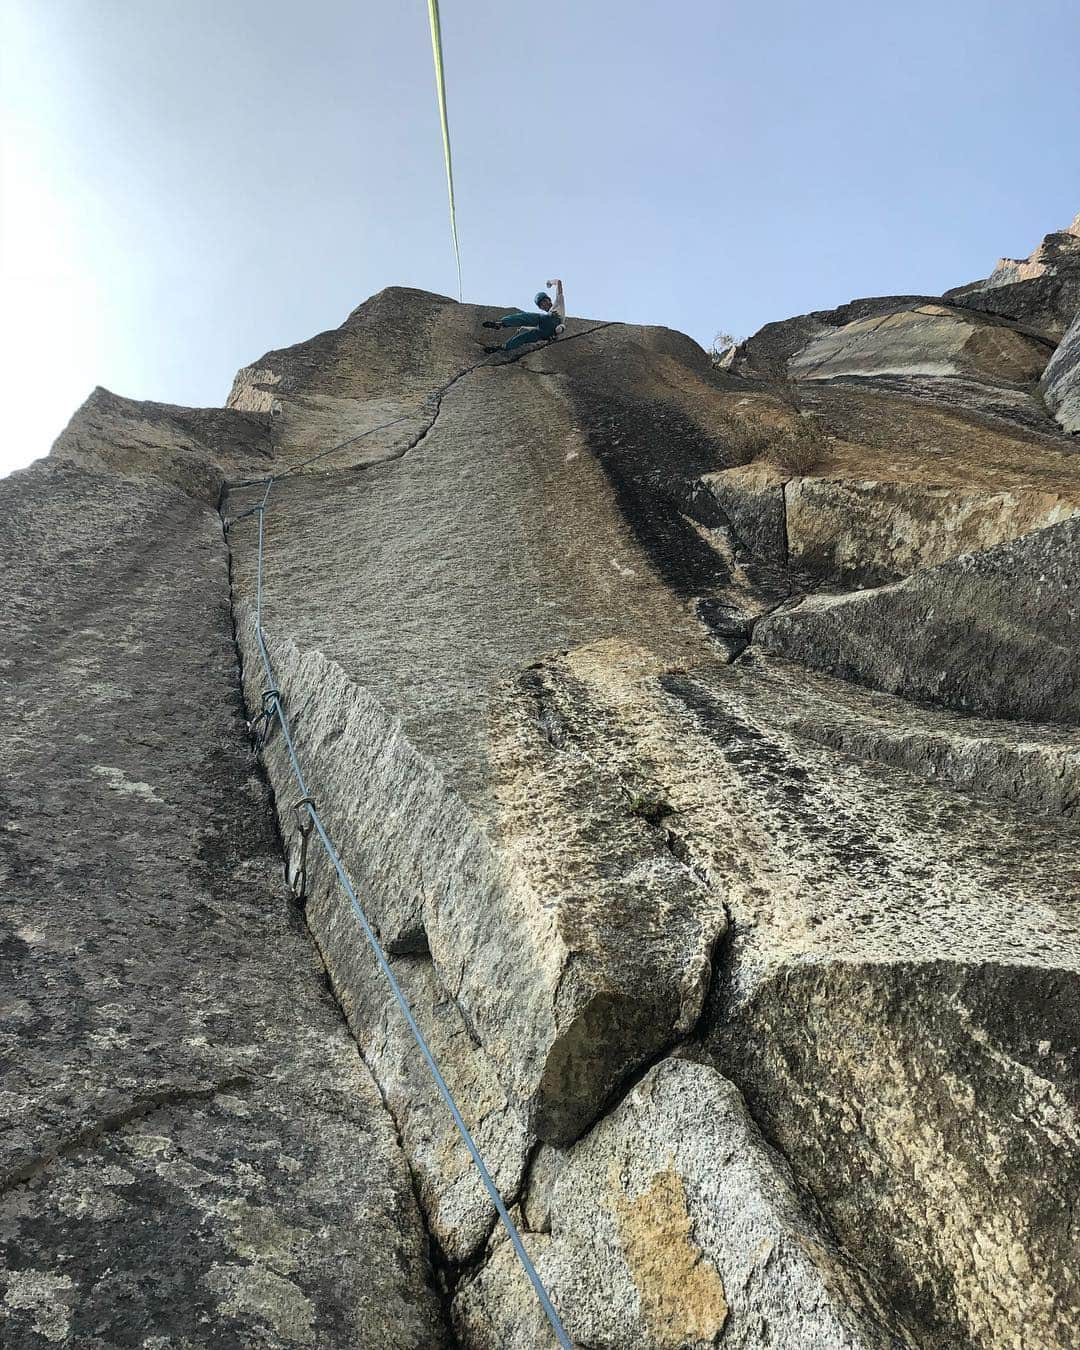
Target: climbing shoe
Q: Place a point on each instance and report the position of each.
(489, 350)
(490, 323)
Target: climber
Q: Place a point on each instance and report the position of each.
(543, 327)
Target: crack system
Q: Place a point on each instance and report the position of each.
(115, 1121)
(443, 390)
(441, 1272)
(446, 1274)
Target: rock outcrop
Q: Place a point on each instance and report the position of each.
(673, 1223)
(930, 340)
(188, 1128)
(1041, 291)
(1061, 379)
(703, 749)
(992, 633)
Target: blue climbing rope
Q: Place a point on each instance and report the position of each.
(273, 706)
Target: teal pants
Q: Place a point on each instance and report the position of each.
(543, 324)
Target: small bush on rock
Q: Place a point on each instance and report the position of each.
(746, 437)
(800, 449)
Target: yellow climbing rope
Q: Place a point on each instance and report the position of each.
(440, 89)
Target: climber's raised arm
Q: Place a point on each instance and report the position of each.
(560, 301)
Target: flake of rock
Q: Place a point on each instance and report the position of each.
(597, 956)
(673, 1224)
(399, 857)
(575, 943)
(1061, 380)
(867, 907)
(459, 1212)
(992, 633)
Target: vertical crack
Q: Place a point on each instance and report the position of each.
(441, 1279)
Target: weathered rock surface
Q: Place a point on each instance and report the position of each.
(929, 340)
(992, 633)
(576, 945)
(592, 806)
(924, 910)
(1035, 765)
(867, 532)
(981, 347)
(195, 449)
(895, 485)
(403, 835)
(673, 851)
(192, 1151)
(768, 352)
(673, 1224)
(973, 1218)
(572, 963)
(1061, 379)
(872, 532)
(913, 345)
(1042, 290)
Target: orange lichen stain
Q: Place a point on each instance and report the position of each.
(680, 1291)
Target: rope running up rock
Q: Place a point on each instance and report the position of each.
(273, 707)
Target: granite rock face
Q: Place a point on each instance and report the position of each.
(192, 1149)
(1034, 764)
(571, 975)
(848, 874)
(674, 1224)
(1041, 291)
(928, 340)
(913, 345)
(981, 347)
(867, 530)
(194, 449)
(701, 747)
(992, 633)
(768, 351)
(1061, 379)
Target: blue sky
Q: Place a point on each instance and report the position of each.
(188, 184)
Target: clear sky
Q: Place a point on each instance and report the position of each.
(187, 183)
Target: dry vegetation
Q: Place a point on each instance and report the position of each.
(795, 446)
(722, 344)
(746, 437)
(802, 446)
(787, 391)
(800, 449)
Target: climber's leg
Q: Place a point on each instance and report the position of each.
(523, 339)
(535, 328)
(519, 319)
(543, 324)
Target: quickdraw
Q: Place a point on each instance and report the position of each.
(305, 823)
(259, 726)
